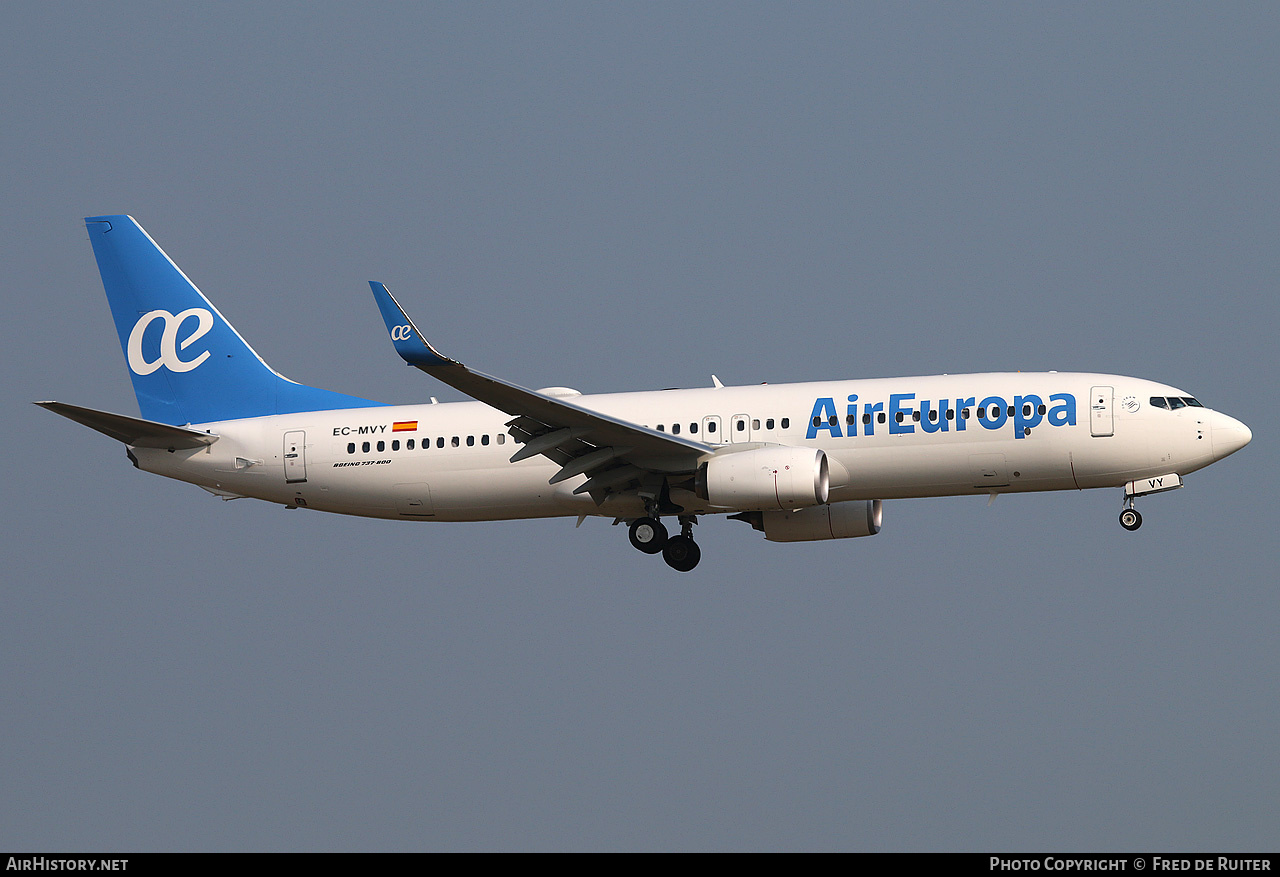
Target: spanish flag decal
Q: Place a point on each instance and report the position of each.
(405, 426)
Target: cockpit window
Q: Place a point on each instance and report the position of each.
(1172, 403)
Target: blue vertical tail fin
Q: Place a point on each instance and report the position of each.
(188, 364)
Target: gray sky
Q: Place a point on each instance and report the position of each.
(628, 197)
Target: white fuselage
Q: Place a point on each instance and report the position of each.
(450, 462)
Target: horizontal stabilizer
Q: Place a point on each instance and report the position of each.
(132, 430)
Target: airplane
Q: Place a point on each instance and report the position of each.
(799, 462)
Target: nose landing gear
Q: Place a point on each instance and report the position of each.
(1129, 518)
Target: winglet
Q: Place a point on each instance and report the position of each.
(410, 343)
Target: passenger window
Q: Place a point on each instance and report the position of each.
(661, 428)
(964, 413)
(1026, 410)
(898, 417)
(755, 423)
(915, 415)
(880, 417)
(711, 427)
(471, 441)
(982, 414)
(866, 418)
(382, 446)
(768, 424)
(455, 441)
(675, 429)
(351, 447)
(440, 442)
(1010, 410)
(502, 438)
(409, 445)
(395, 445)
(484, 439)
(817, 421)
(365, 447)
(833, 420)
(1042, 410)
(1176, 403)
(786, 423)
(693, 429)
(951, 414)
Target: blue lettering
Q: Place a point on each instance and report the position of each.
(824, 417)
(896, 428)
(1063, 414)
(926, 409)
(998, 415)
(1023, 422)
(903, 412)
(871, 409)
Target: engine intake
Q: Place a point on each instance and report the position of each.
(766, 478)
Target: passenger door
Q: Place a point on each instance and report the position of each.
(295, 456)
(1101, 415)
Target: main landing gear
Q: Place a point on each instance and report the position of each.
(681, 553)
(647, 535)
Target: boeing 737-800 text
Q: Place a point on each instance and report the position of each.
(799, 462)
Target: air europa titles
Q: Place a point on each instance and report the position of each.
(902, 414)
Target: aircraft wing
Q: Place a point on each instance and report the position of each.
(614, 454)
(132, 430)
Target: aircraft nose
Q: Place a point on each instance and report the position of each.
(1228, 435)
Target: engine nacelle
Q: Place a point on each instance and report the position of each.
(839, 520)
(766, 478)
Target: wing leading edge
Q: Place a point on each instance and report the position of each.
(615, 455)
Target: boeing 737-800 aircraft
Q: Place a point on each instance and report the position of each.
(799, 462)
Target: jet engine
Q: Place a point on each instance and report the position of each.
(765, 478)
